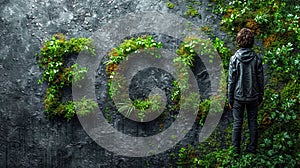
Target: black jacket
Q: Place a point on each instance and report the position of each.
(245, 79)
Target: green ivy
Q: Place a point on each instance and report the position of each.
(186, 55)
(224, 52)
(284, 62)
(192, 12)
(52, 59)
(170, 5)
(192, 8)
(276, 23)
(132, 45)
(116, 56)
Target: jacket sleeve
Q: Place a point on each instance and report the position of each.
(231, 80)
(260, 79)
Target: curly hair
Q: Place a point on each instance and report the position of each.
(245, 38)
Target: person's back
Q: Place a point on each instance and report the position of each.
(245, 88)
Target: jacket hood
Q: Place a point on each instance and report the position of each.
(245, 55)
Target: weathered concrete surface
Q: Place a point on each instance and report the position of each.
(27, 138)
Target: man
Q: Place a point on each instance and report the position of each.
(245, 88)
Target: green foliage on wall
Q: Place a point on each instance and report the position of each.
(191, 7)
(186, 54)
(276, 23)
(127, 47)
(192, 12)
(189, 49)
(52, 59)
(170, 5)
(116, 56)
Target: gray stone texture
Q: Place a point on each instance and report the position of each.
(27, 137)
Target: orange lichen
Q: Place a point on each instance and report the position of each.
(114, 52)
(238, 28)
(60, 37)
(205, 28)
(45, 48)
(268, 41)
(161, 126)
(253, 25)
(228, 13)
(265, 121)
(111, 68)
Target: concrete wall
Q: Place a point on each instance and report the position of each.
(27, 137)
